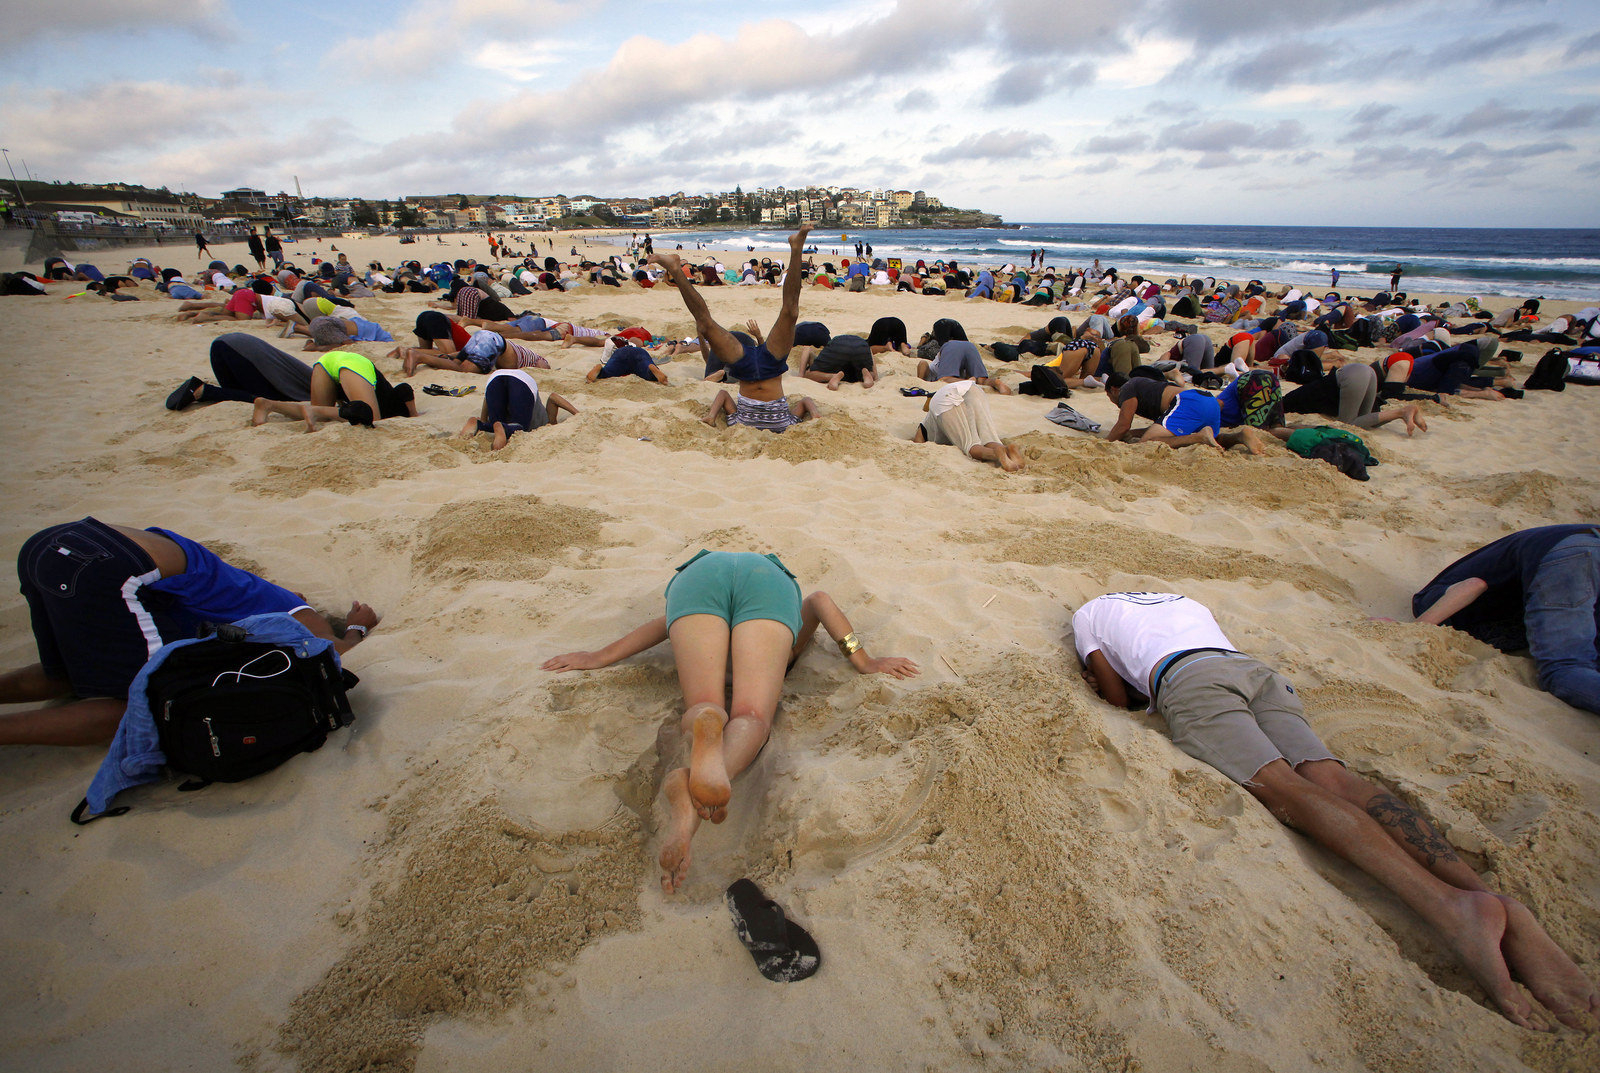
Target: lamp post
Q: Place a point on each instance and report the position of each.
(14, 182)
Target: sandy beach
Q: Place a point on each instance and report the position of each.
(1003, 871)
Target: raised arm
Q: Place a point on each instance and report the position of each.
(1455, 598)
(647, 636)
(819, 609)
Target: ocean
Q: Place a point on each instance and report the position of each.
(1510, 262)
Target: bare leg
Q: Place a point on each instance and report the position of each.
(868, 378)
(555, 404)
(80, 722)
(804, 408)
(780, 339)
(1155, 434)
(1247, 436)
(1473, 923)
(722, 343)
(722, 404)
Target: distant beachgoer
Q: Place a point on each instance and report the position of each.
(1394, 277)
(200, 247)
(257, 250)
(273, 246)
(734, 618)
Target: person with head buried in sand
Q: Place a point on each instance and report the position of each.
(1236, 714)
(758, 366)
(738, 610)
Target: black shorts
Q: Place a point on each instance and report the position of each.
(811, 333)
(431, 325)
(848, 354)
(887, 331)
(92, 620)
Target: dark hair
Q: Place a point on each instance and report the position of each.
(1115, 380)
(261, 286)
(1304, 366)
(357, 413)
(946, 329)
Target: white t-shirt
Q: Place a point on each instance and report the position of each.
(273, 306)
(949, 397)
(1134, 630)
(1292, 296)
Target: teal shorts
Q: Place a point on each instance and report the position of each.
(736, 586)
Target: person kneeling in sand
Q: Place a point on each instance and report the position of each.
(511, 405)
(1242, 718)
(843, 359)
(102, 598)
(959, 416)
(957, 359)
(725, 609)
(758, 367)
(344, 386)
(1537, 590)
(627, 361)
(1182, 417)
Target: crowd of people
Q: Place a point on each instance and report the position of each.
(104, 598)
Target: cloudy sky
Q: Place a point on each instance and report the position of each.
(1467, 112)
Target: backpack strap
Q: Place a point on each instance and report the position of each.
(83, 806)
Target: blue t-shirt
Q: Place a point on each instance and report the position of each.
(210, 590)
(368, 331)
(1228, 399)
(1508, 566)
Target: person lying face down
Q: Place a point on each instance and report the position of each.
(103, 598)
(1247, 721)
(725, 610)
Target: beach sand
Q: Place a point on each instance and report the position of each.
(1002, 871)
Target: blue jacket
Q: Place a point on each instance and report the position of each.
(135, 757)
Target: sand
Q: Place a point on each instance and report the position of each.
(1002, 871)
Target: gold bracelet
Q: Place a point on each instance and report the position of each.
(848, 645)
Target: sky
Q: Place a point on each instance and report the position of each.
(1355, 113)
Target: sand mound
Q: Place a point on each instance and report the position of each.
(508, 537)
(342, 459)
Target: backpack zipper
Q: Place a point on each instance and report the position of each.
(216, 746)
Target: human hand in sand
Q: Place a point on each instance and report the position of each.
(893, 666)
(360, 614)
(573, 661)
(755, 331)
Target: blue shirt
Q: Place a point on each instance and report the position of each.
(212, 591)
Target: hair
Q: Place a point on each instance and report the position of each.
(357, 413)
(261, 286)
(1128, 325)
(1115, 380)
(946, 329)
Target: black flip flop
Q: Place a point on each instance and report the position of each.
(184, 395)
(784, 952)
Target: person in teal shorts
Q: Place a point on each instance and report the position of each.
(728, 608)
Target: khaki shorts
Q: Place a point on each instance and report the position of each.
(1236, 714)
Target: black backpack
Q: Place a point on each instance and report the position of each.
(226, 708)
(1550, 374)
(1047, 383)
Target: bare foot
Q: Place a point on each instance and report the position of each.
(1252, 440)
(797, 241)
(310, 417)
(670, 261)
(1014, 462)
(263, 410)
(835, 380)
(1476, 942)
(708, 772)
(1210, 438)
(1552, 976)
(410, 364)
(1412, 415)
(288, 330)
(681, 826)
(500, 437)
